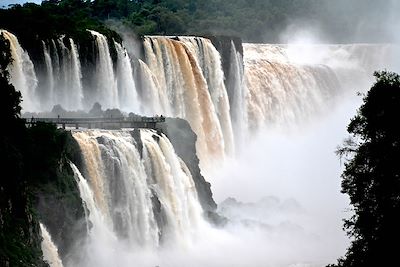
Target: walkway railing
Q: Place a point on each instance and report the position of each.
(102, 123)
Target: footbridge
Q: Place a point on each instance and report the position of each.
(101, 123)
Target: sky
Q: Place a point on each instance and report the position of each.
(9, 2)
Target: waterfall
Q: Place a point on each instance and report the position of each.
(49, 249)
(142, 202)
(152, 101)
(282, 92)
(76, 93)
(209, 61)
(22, 72)
(289, 84)
(65, 82)
(237, 92)
(181, 80)
(106, 90)
(174, 186)
(101, 229)
(49, 96)
(56, 71)
(127, 94)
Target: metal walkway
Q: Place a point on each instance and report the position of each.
(101, 123)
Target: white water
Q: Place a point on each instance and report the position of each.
(106, 90)
(209, 61)
(49, 249)
(153, 101)
(54, 74)
(121, 190)
(283, 93)
(22, 72)
(238, 96)
(297, 100)
(49, 95)
(293, 84)
(128, 98)
(63, 83)
(288, 178)
(181, 81)
(75, 96)
(68, 84)
(181, 78)
(173, 184)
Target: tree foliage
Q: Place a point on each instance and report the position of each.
(251, 20)
(372, 176)
(10, 99)
(29, 158)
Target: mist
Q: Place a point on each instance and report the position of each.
(299, 166)
(341, 21)
(282, 192)
(279, 194)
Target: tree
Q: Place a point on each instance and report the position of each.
(10, 99)
(372, 176)
(19, 242)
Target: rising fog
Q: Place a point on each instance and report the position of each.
(343, 21)
(297, 167)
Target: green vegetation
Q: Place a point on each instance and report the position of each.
(49, 20)
(33, 163)
(19, 242)
(372, 176)
(32, 23)
(251, 20)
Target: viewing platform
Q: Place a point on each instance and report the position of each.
(101, 123)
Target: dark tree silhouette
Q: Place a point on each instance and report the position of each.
(10, 99)
(372, 176)
(18, 244)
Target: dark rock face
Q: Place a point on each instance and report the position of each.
(223, 45)
(40, 188)
(19, 231)
(136, 136)
(59, 205)
(184, 139)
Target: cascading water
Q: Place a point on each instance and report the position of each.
(22, 72)
(284, 92)
(140, 202)
(76, 94)
(238, 95)
(209, 61)
(49, 249)
(63, 73)
(152, 100)
(181, 79)
(288, 84)
(128, 98)
(106, 90)
(49, 95)
(174, 187)
(118, 181)
(55, 72)
(138, 194)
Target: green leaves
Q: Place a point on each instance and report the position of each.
(372, 175)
